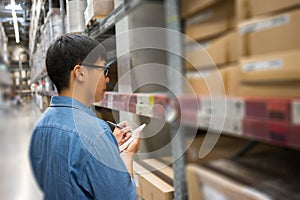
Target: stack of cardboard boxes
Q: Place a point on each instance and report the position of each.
(253, 43)
(153, 179)
(215, 56)
(269, 47)
(97, 9)
(253, 46)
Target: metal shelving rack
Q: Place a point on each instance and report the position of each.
(238, 106)
(116, 18)
(115, 100)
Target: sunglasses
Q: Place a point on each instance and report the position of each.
(106, 68)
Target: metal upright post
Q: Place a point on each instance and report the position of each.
(62, 13)
(175, 43)
(20, 74)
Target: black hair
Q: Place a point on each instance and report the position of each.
(67, 51)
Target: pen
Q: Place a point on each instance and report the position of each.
(115, 125)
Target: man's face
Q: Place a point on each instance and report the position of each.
(98, 80)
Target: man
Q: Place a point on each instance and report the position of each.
(74, 154)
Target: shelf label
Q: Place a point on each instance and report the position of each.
(264, 65)
(110, 99)
(232, 107)
(145, 110)
(198, 74)
(233, 126)
(236, 108)
(265, 24)
(296, 112)
(145, 100)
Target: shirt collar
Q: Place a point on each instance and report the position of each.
(63, 101)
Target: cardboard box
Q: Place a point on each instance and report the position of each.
(150, 186)
(221, 50)
(283, 66)
(232, 80)
(250, 8)
(213, 185)
(271, 174)
(189, 8)
(211, 22)
(206, 82)
(161, 169)
(270, 34)
(97, 9)
(274, 89)
(193, 182)
(225, 147)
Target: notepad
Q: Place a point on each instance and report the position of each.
(133, 135)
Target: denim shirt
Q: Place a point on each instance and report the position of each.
(74, 155)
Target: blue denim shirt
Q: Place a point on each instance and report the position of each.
(74, 155)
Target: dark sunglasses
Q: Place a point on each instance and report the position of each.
(106, 68)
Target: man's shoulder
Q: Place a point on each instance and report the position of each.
(56, 118)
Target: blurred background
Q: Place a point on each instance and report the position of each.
(244, 54)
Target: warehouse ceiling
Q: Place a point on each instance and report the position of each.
(23, 19)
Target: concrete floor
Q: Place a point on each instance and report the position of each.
(16, 179)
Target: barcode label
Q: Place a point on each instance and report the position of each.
(264, 65)
(145, 100)
(198, 74)
(110, 99)
(266, 24)
(235, 107)
(296, 112)
(145, 110)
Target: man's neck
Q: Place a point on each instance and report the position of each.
(68, 93)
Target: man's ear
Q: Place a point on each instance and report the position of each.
(79, 73)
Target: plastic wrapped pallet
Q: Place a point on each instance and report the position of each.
(75, 15)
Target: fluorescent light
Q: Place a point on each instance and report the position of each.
(14, 15)
(10, 7)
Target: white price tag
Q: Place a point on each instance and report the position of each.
(236, 108)
(110, 99)
(233, 126)
(264, 65)
(145, 110)
(204, 120)
(265, 24)
(198, 74)
(296, 112)
(145, 100)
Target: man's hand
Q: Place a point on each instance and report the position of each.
(122, 135)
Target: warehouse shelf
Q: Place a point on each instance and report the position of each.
(40, 75)
(48, 93)
(115, 16)
(274, 121)
(35, 23)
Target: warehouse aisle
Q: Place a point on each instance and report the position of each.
(16, 179)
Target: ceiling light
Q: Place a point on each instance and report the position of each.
(16, 7)
(14, 15)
